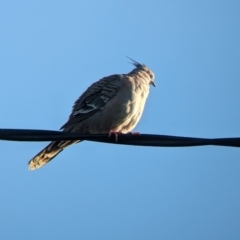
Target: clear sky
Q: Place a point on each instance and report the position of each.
(51, 51)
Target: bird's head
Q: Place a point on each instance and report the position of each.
(144, 70)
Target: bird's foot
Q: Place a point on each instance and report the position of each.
(134, 133)
(115, 134)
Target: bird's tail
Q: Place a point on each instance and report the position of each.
(48, 153)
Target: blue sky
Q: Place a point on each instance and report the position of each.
(51, 51)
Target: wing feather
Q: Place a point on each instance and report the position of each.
(94, 99)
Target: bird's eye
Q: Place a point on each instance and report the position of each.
(149, 73)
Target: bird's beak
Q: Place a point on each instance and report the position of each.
(152, 83)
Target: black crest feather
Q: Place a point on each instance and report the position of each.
(135, 63)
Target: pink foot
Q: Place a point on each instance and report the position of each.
(134, 133)
(115, 134)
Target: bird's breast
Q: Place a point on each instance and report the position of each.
(123, 111)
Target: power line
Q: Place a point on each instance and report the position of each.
(127, 139)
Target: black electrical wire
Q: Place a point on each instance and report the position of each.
(127, 139)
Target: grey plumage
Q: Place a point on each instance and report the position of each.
(112, 104)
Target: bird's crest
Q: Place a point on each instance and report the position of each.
(135, 63)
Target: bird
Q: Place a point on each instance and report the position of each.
(112, 105)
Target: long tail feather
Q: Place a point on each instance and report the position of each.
(48, 153)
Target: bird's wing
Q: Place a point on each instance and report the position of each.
(94, 99)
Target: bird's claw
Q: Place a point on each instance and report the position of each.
(117, 133)
(134, 133)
